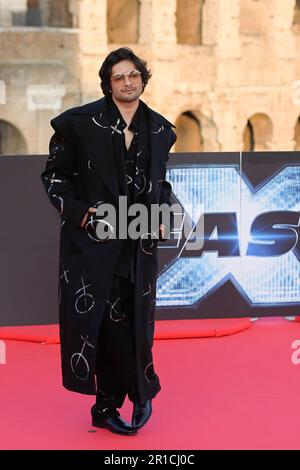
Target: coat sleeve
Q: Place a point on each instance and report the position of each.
(58, 177)
(166, 188)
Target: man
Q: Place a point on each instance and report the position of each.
(116, 146)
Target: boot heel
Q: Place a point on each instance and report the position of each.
(97, 423)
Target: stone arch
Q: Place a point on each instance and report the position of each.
(36, 13)
(188, 130)
(195, 133)
(297, 134)
(12, 141)
(296, 19)
(253, 16)
(258, 133)
(123, 21)
(33, 16)
(189, 20)
(59, 14)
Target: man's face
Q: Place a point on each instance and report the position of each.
(127, 88)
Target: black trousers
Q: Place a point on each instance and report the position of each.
(115, 360)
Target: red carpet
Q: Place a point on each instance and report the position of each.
(171, 329)
(237, 391)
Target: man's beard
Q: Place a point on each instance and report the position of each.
(127, 98)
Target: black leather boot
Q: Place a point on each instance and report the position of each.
(105, 414)
(141, 413)
(111, 420)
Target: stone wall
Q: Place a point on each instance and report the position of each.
(224, 71)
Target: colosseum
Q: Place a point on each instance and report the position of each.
(226, 72)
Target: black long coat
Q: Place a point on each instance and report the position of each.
(80, 172)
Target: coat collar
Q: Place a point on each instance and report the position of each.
(92, 126)
(98, 107)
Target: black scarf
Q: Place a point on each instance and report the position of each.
(133, 166)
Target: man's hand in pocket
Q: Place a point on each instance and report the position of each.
(91, 209)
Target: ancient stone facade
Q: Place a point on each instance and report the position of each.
(226, 72)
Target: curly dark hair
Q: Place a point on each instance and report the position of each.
(123, 53)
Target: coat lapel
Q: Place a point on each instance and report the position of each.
(94, 132)
(159, 147)
(92, 126)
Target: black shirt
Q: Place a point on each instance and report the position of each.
(125, 160)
